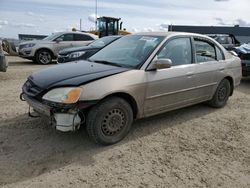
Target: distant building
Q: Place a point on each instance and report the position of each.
(23, 37)
(242, 34)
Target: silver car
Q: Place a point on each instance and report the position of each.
(137, 76)
(44, 51)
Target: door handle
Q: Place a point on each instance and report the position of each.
(222, 68)
(189, 74)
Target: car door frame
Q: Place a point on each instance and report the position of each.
(206, 73)
(79, 43)
(64, 44)
(152, 100)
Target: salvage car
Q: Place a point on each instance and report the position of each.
(3, 60)
(136, 76)
(244, 53)
(45, 50)
(84, 52)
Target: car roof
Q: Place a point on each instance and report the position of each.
(170, 33)
(77, 32)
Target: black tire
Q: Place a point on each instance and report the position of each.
(43, 56)
(110, 121)
(221, 95)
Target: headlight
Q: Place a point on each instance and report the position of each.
(67, 95)
(30, 45)
(76, 55)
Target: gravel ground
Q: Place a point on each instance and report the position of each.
(193, 147)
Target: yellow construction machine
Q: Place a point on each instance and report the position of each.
(107, 26)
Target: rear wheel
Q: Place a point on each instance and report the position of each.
(110, 121)
(43, 57)
(221, 95)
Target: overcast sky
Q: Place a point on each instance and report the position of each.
(48, 16)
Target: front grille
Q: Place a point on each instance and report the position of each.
(30, 89)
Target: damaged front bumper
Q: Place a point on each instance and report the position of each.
(62, 118)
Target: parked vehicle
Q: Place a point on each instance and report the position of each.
(136, 76)
(244, 53)
(44, 51)
(84, 52)
(3, 60)
(227, 41)
(107, 26)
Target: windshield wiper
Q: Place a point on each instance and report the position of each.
(106, 62)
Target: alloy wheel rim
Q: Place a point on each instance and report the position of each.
(113, 122)
(44, 57)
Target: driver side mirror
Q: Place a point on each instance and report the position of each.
(59, 40)
(159, 64)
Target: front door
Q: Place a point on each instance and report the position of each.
(173, 87)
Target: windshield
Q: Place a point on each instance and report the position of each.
(52, 36)
(99, 43)
(128, 51)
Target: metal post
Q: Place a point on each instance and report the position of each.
(80, 24)
(96, 15)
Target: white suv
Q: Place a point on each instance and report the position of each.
(44, 51)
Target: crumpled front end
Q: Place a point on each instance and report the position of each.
(64, 117)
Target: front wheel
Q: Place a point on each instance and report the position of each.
(43, 57)
(221, 95)
(110, 121)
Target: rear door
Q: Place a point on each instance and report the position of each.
(81, 40)
(173, 87)
(209, 61)
(66, 42)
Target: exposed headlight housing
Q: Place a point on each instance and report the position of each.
(30, 45)
(75, 55)
(66, 95)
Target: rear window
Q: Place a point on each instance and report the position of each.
(224, 40)
(81, 37)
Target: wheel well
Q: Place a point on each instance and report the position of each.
(230, 79)
(53, 56)
(129, 99)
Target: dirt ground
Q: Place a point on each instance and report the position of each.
(193, 147)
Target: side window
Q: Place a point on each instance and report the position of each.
(219, 54)
(204, 51)
(229, 40)
(66, 37)
(178, 50)
(82, 37)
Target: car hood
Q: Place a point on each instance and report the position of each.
(28, 42)
(76, 49)
(72, 74)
